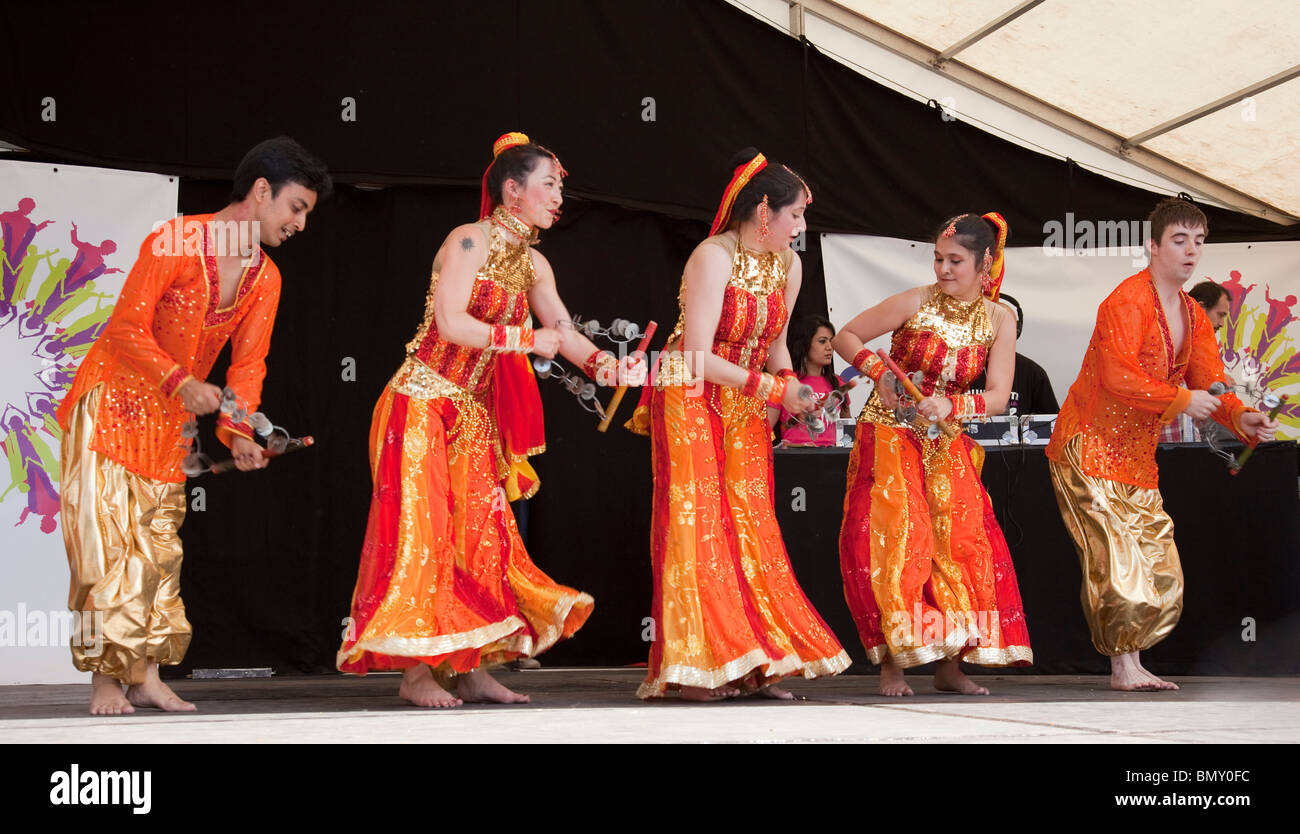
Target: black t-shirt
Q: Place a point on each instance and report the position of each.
(1033, 390)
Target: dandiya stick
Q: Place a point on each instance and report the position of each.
(294, 445)
(622, 389)
(1245, 456)
(913, 391)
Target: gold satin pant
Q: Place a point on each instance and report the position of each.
(121, 531)
(1132, 580)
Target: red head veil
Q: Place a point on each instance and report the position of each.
(998, 269)
(739, 179)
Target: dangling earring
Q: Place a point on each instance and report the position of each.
(763, 231)
(986, 280)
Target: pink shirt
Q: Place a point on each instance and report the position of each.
(798, 436)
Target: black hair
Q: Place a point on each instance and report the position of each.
(973, 233)
(1020, 314)
(1208, 294)
(800, 340)
(281, 160)
(779, 184)
(514, 163)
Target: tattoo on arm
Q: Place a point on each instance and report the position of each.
(467, 243)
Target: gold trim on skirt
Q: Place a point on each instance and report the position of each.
(1132, 580)
(122, 534)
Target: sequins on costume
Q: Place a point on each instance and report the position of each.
(927, 574)
(444, 578)
(1103, 464)
(726, 606)
(122, 498)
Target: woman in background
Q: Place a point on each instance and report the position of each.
(812, 357)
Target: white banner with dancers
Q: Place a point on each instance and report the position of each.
(68, 238)
(1060, 284)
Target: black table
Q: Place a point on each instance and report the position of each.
(1238, 537)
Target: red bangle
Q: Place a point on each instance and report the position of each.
(601, 363)
(776, 393)
(752, 383)
(592, 362)
(787, 373)
(968, 405)
(511, 339)
(174, 380)
(869, 363)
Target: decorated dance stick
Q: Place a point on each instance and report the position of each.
(293, 445)
(913, 391)
(1277, 403)
(622, 389)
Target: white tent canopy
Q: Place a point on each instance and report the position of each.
(1173, 96)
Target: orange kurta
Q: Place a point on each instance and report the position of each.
(444, 578)
(122, 499)
(1129, 384)
(168, 326)
(1103, 465)
(726, 603)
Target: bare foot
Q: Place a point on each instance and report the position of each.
(479, 686)
(1127, 675)
(775, 692)
(721, 693)
(154, 693)
(891, 680)
(420, 688)
(106, 696)
(1159, 684)
(948, 677)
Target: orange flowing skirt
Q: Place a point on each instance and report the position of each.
(726, 604)
(444, 577)
(927, 573)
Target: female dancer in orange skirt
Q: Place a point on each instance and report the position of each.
(728, 613)
(445, 586)
(927, 573)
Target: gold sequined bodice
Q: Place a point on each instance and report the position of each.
(947, 340)
(753, 305)
(499, 296)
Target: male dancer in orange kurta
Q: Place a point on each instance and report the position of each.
(199, 281)
(1150, 337)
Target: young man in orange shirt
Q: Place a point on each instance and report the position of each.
(1150, 337)
(199, 281)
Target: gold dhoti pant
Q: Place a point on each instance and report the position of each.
(1132, 580)
(121, 531)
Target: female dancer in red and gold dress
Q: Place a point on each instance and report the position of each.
(728, 613)
(445, 586)
(927, 573)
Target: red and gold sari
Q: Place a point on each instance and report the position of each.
(927, 573)
(444, 578)
(726, 603)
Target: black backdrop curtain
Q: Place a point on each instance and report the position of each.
(157, 86)
(271, 558)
